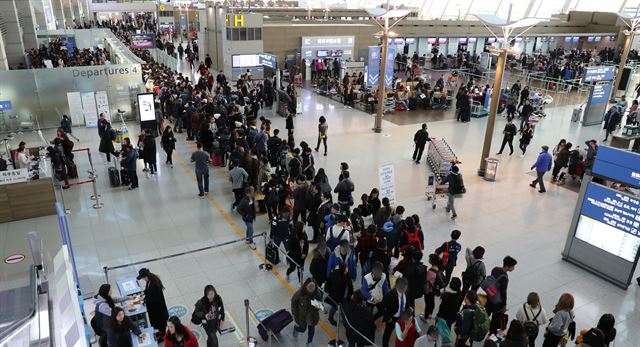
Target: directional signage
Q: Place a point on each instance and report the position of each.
(600, 93)
(599, 73)
(5, 105)
(268, 60)
(617, 164)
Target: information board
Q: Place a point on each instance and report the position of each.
(268, 60)
(245, 60)
(143, 40)
(5, 105)
(600, 93)
(89, 109)
(146, 107)
(610, 220)
(620, 165)
(387, 181)
(599, 73)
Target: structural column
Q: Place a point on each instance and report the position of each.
(623, 60)
(493, 110)
(14, 46)
(27, 16)
(4, 64)
(58, 13)
(68, 13)
(75, 8)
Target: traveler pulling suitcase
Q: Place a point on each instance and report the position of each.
(273, 254)
(274, 323)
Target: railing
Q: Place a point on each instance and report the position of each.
(19, 330)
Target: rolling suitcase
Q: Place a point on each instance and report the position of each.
(274, 323)
(125, 180)
(114, 177)
(72, 169)
(273, 254)
(577, 112)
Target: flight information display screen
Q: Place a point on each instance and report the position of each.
(610, 220)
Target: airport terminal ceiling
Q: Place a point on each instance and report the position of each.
(464, 9)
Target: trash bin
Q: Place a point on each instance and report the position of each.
(492, 169)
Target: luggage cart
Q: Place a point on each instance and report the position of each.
(435, 190)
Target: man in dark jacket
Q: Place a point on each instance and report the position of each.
(611, 121)
(509, 132)
(496, 311)
(420, 140)
(247, 210)
(129, 161)
(393, 305)
(464, 321)
(456, 187)
(359, 316)
(344, 188)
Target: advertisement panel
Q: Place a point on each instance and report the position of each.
(146, 107)
(143, 40)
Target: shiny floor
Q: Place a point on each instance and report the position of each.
(166, 217)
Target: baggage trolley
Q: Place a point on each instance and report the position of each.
(435, 190)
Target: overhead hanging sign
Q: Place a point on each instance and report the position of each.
(373, 69)
(143, 40)
(617, 164)
(268, 60)
(5, 105)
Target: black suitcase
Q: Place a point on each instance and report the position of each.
(273, 254)
(114, 177)
(274, 323)
(125, 180)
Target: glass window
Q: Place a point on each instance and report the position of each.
(229, 34)
(250, 34)
(243, 34)
(258, 34)
(235, 34)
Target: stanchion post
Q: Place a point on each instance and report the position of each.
(106, 274)
(246, 313)
(265, 265)
(98, 204)
(92, 171)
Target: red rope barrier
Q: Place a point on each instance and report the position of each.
(78, 183)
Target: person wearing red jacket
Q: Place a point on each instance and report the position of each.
(178, 334)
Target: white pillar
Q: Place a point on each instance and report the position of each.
(14, 46)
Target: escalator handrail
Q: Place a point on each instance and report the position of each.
(18, 326)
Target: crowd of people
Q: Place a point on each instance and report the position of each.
(57, 54)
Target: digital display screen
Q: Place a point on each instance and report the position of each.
(398, 41)
(610, 220)
(462, 40)
(410, 40)
(442, 40)
(322, 53)
(336, 53)
(576, 39)
(567, 39)
(473, 40)
(543, 39)
(620, 165)
(600, 94)
(590, 39)
(518, 39)
(598, 38)
(146, 40)
(599, 73)
(432, 40)
(146, 107)
(491, 40)
(245, 60)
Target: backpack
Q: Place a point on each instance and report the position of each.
(472, 275)
(445, 254)
(437, 286)
(412, 240)
(333, 242)
(531, 325)
(491, 286)
(481, 324)
(97, 322)
(445, 332)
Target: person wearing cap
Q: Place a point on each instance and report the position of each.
(154, 301)
(542, 165)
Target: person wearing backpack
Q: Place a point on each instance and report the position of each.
(343, 254)
(433, 286)
(450, 302)
(374, 287)
(382, 215)
(338, 233)
(496, 286)
(532, 316)
(415, 272)
(475, 272)
(392, 230)
(559, 324)
(367, 243)
(281, 227)
(104, 305)
(411, 236)
(448, 252)
(344, 189)
(472, 321)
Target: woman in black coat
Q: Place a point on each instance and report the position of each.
(298, 247)
(361, 319)
(120, 329)
(339, 289)
(107, 136)
(154, 300)
(149, 151)
(451, 301)
(206, 136)
(168, 143)
(319, 262)
(209, 312)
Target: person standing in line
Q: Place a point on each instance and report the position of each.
(420, 139)
(344, 189)
(247, 210)
(322, 134)
(120, 329)
(542, 165)
(525, 138)
(451, 299)
(475, 272)
(298, 247)
(239, 178)
(532, 316)
(149, 150)
(456, 188)
(339, 289)
(154, 301)
(407, 329)
(168, 143)
(209, 311)
(66, 124)
(107, 136)
(360, 319)
(394, 304)
(201, 160)
(559, 325)
(289, 123)
(130, 162)
(448, 251)
(305, 313)
(497, 310)
(509, 132)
